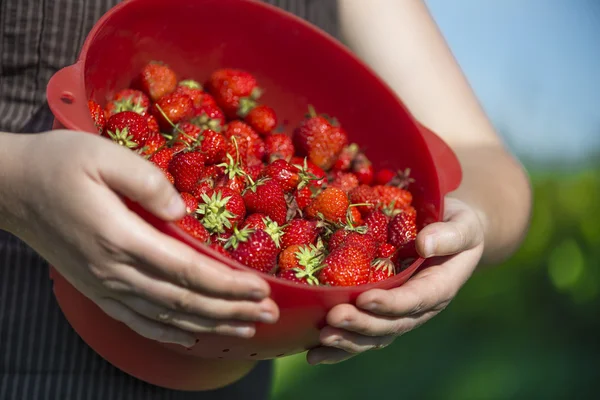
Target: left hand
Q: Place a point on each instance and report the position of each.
(382, 315)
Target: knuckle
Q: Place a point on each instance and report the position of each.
(184, 302)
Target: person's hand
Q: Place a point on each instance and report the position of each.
(380, 316)
(70, 210)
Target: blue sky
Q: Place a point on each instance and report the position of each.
(535, 66)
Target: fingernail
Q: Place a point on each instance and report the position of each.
(267, 317)
(429, 246)
(175, 207)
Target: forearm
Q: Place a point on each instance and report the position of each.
(12, 167)
(406, 49)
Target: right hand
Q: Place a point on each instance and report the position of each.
(70, 211)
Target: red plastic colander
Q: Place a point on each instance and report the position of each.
(297, 65)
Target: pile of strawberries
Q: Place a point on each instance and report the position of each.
(307, 206)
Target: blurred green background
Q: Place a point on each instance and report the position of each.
(526, 329)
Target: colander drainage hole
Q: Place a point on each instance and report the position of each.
(225, 350)
(253, 354)
(67, 98)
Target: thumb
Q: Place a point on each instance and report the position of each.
(141, 181)
(460, 231)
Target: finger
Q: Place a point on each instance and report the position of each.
(187, 322)
(462, 230)
(352, 342)
(168, 257)
(351, 319)
(327, 355)
(134, 283)
(144, 326)
(140, 181)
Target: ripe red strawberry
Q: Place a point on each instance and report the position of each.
(330, 205)
(172, 109)
(187, 168)
(152, 123)
(187, 133)
(221, 210)
(279, 146)
(344, 161)
(127, 129)
(262, 118)
(365, 242)
(311, 169)
(319, 140)
(206, 186)
(392, 196)
(247, 142)
(363, 194)
(209, 116)
(354, 217)
(230, 87)
(345, 181)
(267, 197)
(283, 173)
(192, 89)
(387, 250)
(190, 202)
(213, 145)
(128, 100)
(162, 158)
(169, 177)
(254, 249)
(293, 275)
(233, 176)
(208, 100)
(157, 80)
(153, 144)
(97, 114)
(192, 226)
(303, 197)
(363, 169)
(302, 257)
(220, 249)
(377, 225)
(381, 269)
(402, 229)
(261, 221)
(384, 176)
(299, 231)
(346, 266)
(337, 238)
(254, 169)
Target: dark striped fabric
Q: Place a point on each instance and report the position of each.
(41, 357)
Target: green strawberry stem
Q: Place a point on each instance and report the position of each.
(214, 214)
(385, 264)
(175, 127)
(274, 230)
(190, 83)
(305, 175)
(123, 138)
(238, 237)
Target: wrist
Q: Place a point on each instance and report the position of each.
(12, 173)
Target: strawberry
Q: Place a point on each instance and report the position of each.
(209, 116)
(384, 176)
(261, 221)
(294, 275)
(381, 269)
(169, 177)
(213, 145)
(192, 89)
(262, 118)
(206, 186)
(220, 249)
(345, 181)
(187, 133)
(254, 169)
(231, 87)
(319, 140)
(365, 242)
(303, 257)
(162, 158)
(193, 227)
(191, 204)
(97, 115)
(330, 205)
(344, 161)
(234, 175)
(303, 197)
(377, 225)
(128, 100)
(127, 129)
(401, 179)
(310, 169)
(171, 109)
(363, 194)
(221, 210)
(387, 250)
(187, 168)
(346, 266)
(254, 249)
(402, 229)
(152, 123)
(247, 141)
(153, 144)
(267, 197)
(392, 197)
(283, 173)
(157, 80)
(363, 169)
(337, 238)
(279, 146)
(354, 218)
(299, 231)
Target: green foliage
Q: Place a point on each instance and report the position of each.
(527, 329)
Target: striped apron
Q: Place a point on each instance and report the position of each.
(41, 357)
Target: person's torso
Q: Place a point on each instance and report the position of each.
(38, 37)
